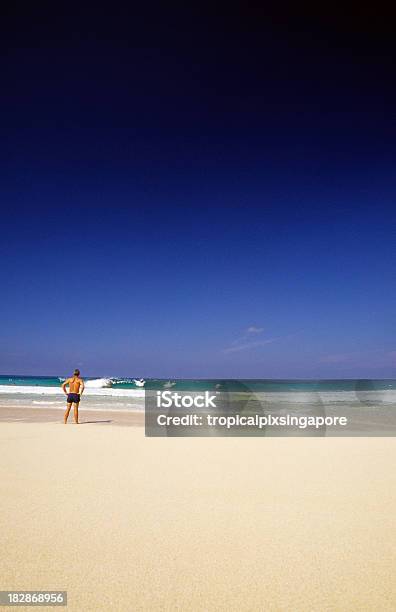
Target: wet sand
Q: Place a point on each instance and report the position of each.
(27, 414)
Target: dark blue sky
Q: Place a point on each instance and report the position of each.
(191, 194)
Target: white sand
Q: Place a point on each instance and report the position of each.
(124, 522)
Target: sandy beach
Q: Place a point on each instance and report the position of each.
(125, 522)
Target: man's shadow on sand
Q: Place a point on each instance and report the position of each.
(87, 422)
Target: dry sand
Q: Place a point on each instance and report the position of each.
(124, 522)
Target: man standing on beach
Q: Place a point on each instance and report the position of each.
(76, 389)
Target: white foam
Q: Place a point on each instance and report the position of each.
(101, 383)
(47, 403)
(100, 391)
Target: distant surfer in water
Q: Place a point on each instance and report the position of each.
(76, 389)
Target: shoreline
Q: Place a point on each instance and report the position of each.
(27, 414)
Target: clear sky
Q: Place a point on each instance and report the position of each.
(188, 194)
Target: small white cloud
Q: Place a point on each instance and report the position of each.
(254, 330)
(246, 342)
(248, 345)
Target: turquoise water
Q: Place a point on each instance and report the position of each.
(270, 385)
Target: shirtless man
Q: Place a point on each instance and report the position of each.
(76, 389)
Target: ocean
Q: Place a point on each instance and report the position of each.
(114, 393)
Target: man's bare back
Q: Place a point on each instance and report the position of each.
(76, 389)
(74, 384)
